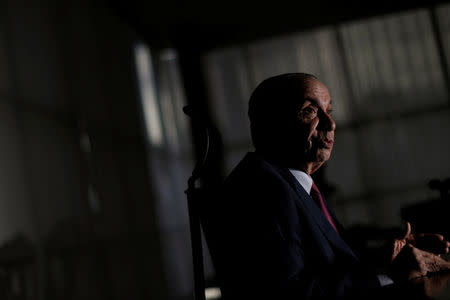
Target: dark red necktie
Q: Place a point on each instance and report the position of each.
(315, 194)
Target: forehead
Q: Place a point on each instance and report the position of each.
(316, 91)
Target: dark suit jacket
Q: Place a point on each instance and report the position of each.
(269, 239)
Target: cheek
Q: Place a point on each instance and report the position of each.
(312, 130)
(313, 127)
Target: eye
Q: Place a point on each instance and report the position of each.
(309, 109)
(308, 112)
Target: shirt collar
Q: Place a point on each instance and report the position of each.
(304, 179)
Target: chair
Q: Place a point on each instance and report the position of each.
(198, 197)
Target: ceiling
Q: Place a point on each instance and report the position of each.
(208, 24)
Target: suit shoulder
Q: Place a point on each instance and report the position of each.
(255, 175)
(252, 165)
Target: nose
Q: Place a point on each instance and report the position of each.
(326, 122)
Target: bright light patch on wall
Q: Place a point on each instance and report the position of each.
(147, 89)
(213, 293)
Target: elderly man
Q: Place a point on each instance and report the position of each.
(272, 234)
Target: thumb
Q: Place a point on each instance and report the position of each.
(407, 231)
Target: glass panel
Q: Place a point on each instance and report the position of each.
(443, 13)
(178, 100)
(405, 153)
(388, 207)
(167, 106)
(344, 168)
(147, 89)
(229, 93)
(394, 64)
(271, 57)
(5, 61)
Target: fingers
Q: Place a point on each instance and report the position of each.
(436, 236)
(426, 262)
(418, 262)
(431, 242)
(397, 248)
(435, 243)
(407, 231)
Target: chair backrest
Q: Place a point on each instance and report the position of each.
(198, 197)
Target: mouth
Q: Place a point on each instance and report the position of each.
(326, 143)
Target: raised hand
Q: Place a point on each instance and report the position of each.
(398, 244)
(423, 263)
(412, 263)
(430, 242)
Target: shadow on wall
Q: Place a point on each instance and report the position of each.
(71, 263)
(18, 268)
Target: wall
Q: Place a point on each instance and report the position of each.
(74, 177)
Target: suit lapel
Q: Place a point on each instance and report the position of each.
(306, 203)
(333, 215)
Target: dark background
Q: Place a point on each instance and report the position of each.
(96, 151)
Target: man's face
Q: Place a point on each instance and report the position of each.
(315, 124)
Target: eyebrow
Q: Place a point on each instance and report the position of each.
(315, 101)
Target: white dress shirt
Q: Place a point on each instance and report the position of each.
(304, 179)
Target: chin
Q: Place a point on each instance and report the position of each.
(318, 155)
(323, 155)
